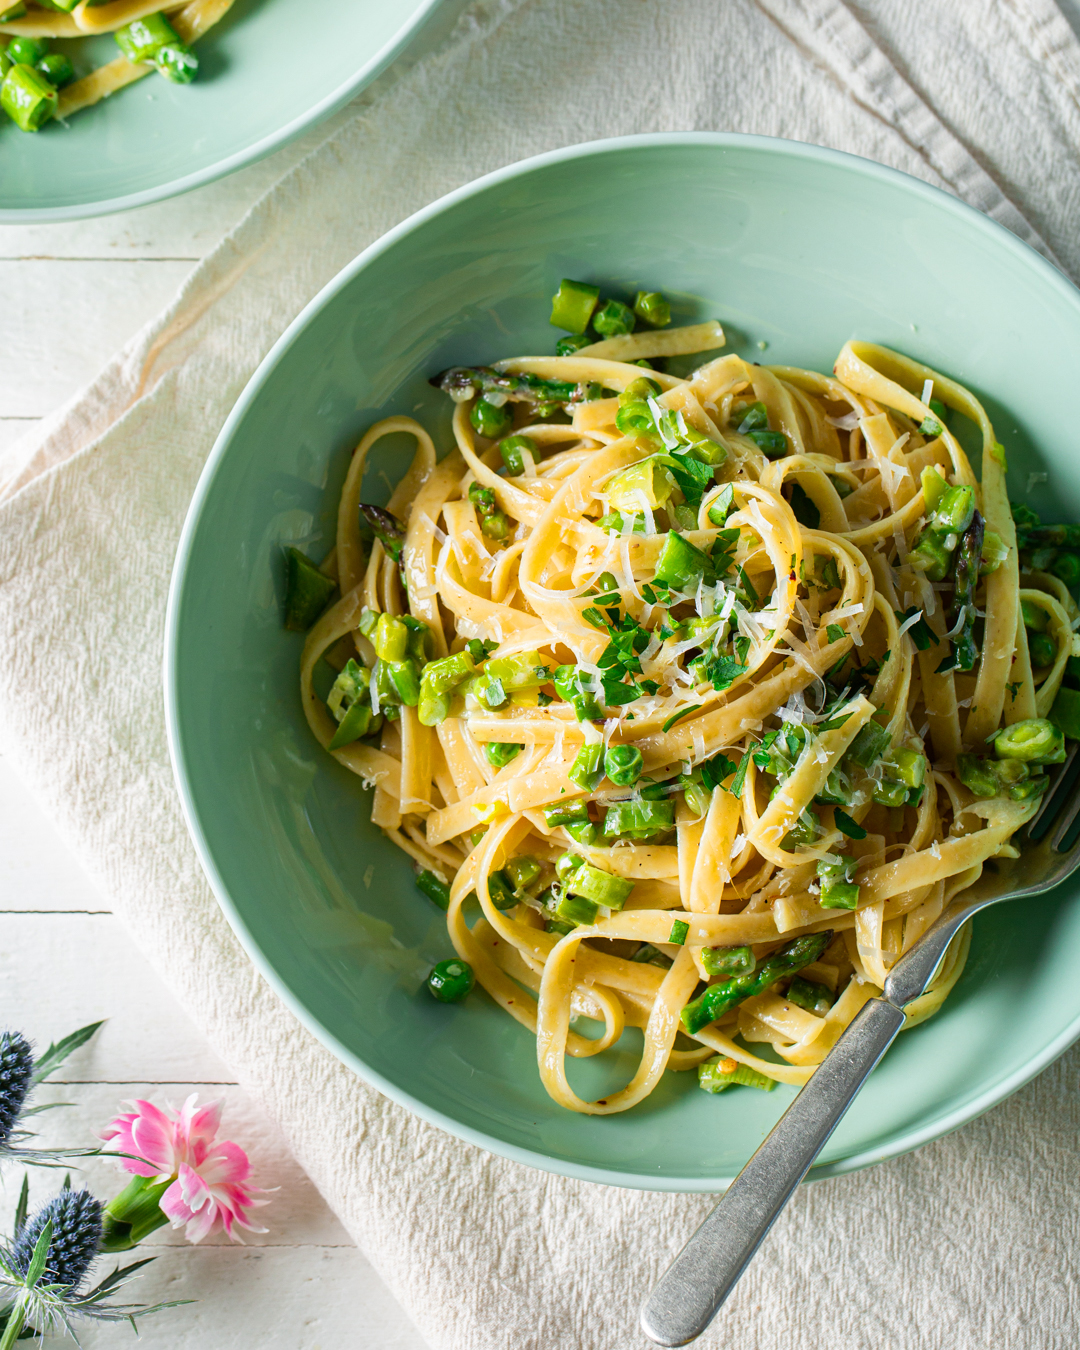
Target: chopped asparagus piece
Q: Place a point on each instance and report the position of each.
(718, 998)
(572, 305)
(717, 1075)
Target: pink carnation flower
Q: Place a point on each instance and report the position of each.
(211, 1180)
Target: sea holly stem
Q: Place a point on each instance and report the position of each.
(134, 1214)
(14, 1326)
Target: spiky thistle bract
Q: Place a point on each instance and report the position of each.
(42, 1271)
(76, 1236)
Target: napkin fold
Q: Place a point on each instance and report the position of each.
(951, 1247)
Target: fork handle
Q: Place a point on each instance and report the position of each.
(693, 1288)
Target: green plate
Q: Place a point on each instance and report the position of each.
(791, 245)
(269, 71)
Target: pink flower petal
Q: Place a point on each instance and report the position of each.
(212, 1180)
(152, 1139)
(200, 1225)
(229, 1163)
(193, 1188)
(174, 1207)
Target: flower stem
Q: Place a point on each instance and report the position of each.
(133, 1214)
(15, 1323)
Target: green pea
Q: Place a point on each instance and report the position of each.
(1067, 567)
(652, 308)
(1043, 650)
(489, 420)
(451, 981)
(482, 498)
(57, 69)
(1035, 617)
(697, 795)
(27, 51)
(623, 764)
(567, 346)
(495, 525)
(613, 319)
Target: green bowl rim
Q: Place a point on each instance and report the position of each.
(40, 215)
(938, 1125)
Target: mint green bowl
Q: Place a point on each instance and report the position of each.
(269, 70)
(798, 247)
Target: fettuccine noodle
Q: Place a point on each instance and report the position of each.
(794, 683)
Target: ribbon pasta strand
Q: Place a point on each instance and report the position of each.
(693, 710)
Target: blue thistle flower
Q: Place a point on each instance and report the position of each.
(16, 1079)
(20, 1072)
(42, 1272)
(76, 1236)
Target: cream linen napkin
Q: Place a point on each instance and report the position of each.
(969, 1242)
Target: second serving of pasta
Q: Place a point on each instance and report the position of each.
(694, 699)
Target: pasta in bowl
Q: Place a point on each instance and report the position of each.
(328, 906)
(39, 85)
(694, 698)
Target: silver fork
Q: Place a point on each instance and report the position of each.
(694, 1287)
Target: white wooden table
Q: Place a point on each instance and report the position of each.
(64, 959)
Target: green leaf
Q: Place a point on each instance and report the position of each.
(55, 1055)
(36, 1268)
(616, 693)
(119, 1276)
(753, 600)
(722, 671)
(720, 506)
(715, 770)
(847, 826)
(692, 476)
(723, 551)
(920, 633)
(23, 1205)
(834, 632)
